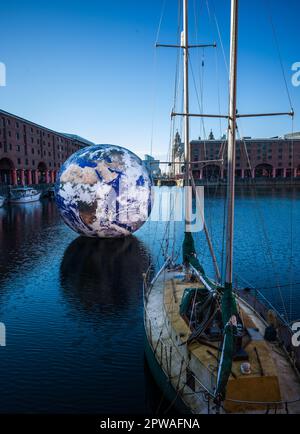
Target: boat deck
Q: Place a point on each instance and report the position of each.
(272, 378)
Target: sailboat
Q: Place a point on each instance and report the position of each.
(211, 347)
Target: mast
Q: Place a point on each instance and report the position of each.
(229, 308)
(231, 142)
(185, 46)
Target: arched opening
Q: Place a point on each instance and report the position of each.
(211, 172)
(263, 171)
(6, 167)
(42, 168)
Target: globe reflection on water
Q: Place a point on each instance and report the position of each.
(100, 274)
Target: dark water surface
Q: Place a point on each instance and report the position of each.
(73, 306)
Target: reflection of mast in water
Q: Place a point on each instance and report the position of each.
(99, 274)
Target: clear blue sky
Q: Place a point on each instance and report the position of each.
(88, 67)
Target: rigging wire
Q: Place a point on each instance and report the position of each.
(177, 81)
(216, 59)
(291, 269)
(218, 31)
(264, 232)
(213, 19)
(278, 286)
(267, 4)
(154, 93)
(282, 286)
(160, 20)
(200, 69)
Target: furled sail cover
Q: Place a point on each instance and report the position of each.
(229, 315)
(189, 252)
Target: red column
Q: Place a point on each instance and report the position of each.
(22, 177)
(14, 177)
(274, 172)
(242, 173)
(36, 176)
(47, 177)
(284, 172)
(29, 177)
(52, 176)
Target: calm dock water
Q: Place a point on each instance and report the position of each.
(73, 306)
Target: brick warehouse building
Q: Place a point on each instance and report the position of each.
(255, 158)
(30, 153)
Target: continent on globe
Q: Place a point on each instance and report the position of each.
(104, 191)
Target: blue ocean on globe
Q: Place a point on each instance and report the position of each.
(104, 191)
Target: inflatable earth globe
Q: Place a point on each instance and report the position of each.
(104, 191)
